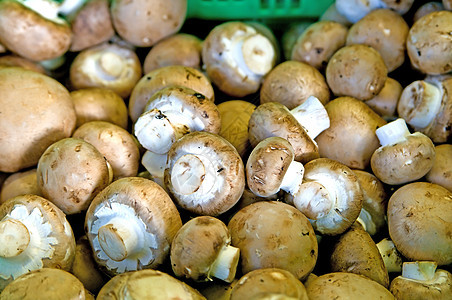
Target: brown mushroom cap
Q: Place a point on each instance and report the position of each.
(115, 143)
(342, 285)
(385, 103)
(357, 71)
(30, 35)
(143, 23)
(99, 104)
(30, 124)
(163, 77)
(20, 183)
(70, 174)
(319, 42)
(147, 284)
(351, 137)
(91, 25)
(291, 83)
(284, 240)
(18, 61)
(427, 8)
(441, 172)
(419, 221)
(429, 43)
(274, 119)
(281, 284)
(178, 49)
(45, 284)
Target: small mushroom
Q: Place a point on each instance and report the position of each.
(163, 77)
(204, 173)
(20, 183)
(106, 66)
(421, 280)
(385, 103)
(419, 222)
(291, 34)
(201, 250)
(441, 172)
(178, 49)
(291, 83)
(391, 257)
(427, 8)
(403, 156)
(429, 41)
(130, 225)
(147, 284)
(237, 57)
(269, 283)
(357, 71)
(272, 234)
(35, 234)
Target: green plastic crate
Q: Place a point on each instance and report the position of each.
(256, 9)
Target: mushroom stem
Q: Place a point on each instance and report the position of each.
(312, 115)
(48, 9)
(292, 179)
(390, 255)
(14, 236)
(53, 64)
(120, 238)
(313, 200)
(155, 164)
(68, 7)
(225, 265)
(258, 53)
(393, 132)
(111, 63)
(365, 218)
(419, 270)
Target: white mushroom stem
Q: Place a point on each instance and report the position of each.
(312, 115)
(51, 9)
(314, 200)
(293, 178)
(391, 257)
(419, 270)
(225, 265)
(14, 237)
(392, 132)
(365, 218)
(258, 53)
(68, 7)
(155, 164)
(355, 10)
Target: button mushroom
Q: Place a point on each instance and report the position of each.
(385, 103)
(427, 8)
(201, 250)
(204, 173)
(35, 234)
(441, 172)
(20, 183)
(403, 156)
(130, 225)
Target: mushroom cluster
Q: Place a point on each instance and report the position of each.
(147, 154)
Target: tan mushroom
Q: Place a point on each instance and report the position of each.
(427, 8)
(291, 34)
(403, 156)
(385, 103)
(201, 250)
(204, 173)
(18, 61)
(130, 225)
(441, 172)
(30, 124)
(272, 234)
(20, 183)
(35, 234)
(419, 222)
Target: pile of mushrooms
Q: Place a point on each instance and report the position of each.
(145, 154)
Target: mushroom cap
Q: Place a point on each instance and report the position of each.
(163, 77)
(152, 20)
(18, 61)
(147, 284)
(319, 42)
(420, 220)
(427, 8)
(267, 164)
(30, 124)
(30, 35)
(197, 245)
(385, 103)
(274, 119)
(45, 284)
(106, 66)
(356, 252)
(91, 25)
(278, 282)
(342, 285)
(20, 183)
(400, 6)
(59, 251)
(285, 240)
(223, 170)
(385, 31)
(292, 82)
(427, 46)
(290, 35)
(178, 49)
(115, 143)
(357, 71)
(404, 161)
(70, 173)
(351, 137)
(99, 104)
(441, 172)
